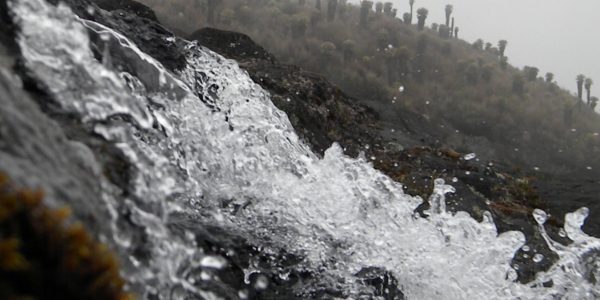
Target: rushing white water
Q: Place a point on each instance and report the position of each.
(210, 135)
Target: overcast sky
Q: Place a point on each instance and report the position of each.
(558, 36)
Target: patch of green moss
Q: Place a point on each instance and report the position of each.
(44, 256)
(523, 190)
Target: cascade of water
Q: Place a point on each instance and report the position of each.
(209, 135)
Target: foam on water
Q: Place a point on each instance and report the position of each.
(217, 137)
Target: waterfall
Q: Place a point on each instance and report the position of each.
(208, 143)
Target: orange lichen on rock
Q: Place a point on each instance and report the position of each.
(44, 256)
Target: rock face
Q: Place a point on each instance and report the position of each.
(135, 21)
(233, 45)
(7, 44)
(128, 6)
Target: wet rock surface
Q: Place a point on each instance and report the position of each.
(128, 6)
(231, 44)
(135, 21)
(8, 48)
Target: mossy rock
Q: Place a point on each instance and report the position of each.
(45, 256)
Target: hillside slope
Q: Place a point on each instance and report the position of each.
(477, 101)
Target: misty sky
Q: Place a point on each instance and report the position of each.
(558, 36)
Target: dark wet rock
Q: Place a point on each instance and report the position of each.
(129, 6)
(385, 284)
(569, 193)
(137, 23)
(283, 272)
(8, 47)
(320, 112)
(36, 152)
(231, 44)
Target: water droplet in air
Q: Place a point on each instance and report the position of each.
(401, 89)
(538, 257)
(90, 10)
(214, 262)
(261, 283)
(284, 276)
(526, 248)
(105, 37)
(205, 276)
(470, 156)
(454, 179)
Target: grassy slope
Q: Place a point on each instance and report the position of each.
(542, 126)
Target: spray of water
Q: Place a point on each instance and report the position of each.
(209, 136)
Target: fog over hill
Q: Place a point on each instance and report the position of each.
(554, 35)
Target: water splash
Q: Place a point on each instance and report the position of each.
(209, 136)
(576, 274)
(58, 39)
